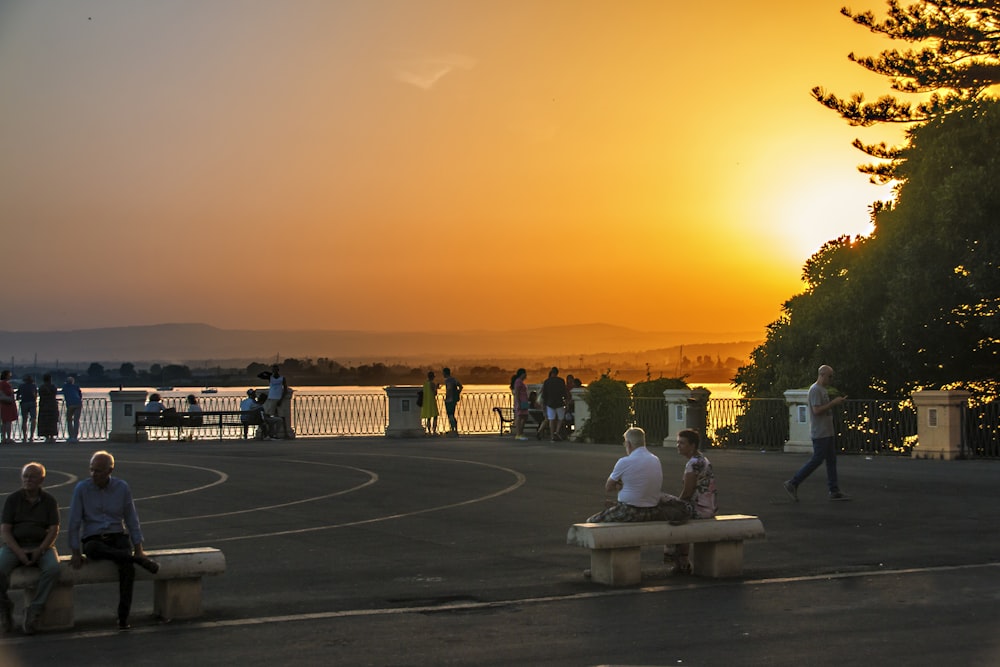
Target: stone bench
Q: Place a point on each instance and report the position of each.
(176, 586)
(615, 548)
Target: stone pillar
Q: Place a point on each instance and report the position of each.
(697, 414)
(677, 406)
(799, 440)
(124, 404)
(581, 411)
(285, 411)
(939, 424)
(404, 414)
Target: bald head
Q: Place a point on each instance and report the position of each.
(33, 468)
(102, 457)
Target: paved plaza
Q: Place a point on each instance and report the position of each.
(452, 552)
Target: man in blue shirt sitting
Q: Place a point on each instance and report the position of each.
(101, 510)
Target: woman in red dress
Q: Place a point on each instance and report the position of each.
(8, 408)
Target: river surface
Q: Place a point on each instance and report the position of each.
(718, 389)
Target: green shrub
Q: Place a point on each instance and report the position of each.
(610, 410)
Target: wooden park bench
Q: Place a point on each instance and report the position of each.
(176, 585)
(615, 548)
(217, 420)
(535, 419)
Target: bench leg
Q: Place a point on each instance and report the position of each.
(58, 612)
(616, 567)
(717, 559)
(177, 598)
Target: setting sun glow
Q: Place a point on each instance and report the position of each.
(398, 165)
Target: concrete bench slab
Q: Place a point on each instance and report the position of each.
(176, 586)
(615, 548)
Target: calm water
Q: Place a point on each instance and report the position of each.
(718, 389)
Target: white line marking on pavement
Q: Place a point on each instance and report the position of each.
(498, 604)
(519, 480)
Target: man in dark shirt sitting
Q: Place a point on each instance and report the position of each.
(28, 528)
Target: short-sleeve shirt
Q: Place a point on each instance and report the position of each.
(450, 389)
(275, 388)
(704, 489)
(641, 476)
(30, 521)
(554, 392)
(820, 426)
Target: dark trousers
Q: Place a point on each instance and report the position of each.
(116, 547)
(824, 451)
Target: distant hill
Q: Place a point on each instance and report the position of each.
(184, 343)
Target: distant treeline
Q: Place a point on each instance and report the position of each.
(323, 371)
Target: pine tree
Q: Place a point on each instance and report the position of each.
(954, 62)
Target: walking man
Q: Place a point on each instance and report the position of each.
(101, 510)
(29, 527)
(822, 434)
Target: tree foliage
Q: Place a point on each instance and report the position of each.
(954, 60)
(610, 405)
(916, 303)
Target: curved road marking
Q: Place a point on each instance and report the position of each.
(519, 478)
(372, 478)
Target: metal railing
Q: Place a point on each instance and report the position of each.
(748, 423)
(95, 421)
(981, 430)
(863, 426)
(318, 415)
(876, 426)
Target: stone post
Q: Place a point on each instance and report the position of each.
(124, 404)
(285, 411)
(677, 406)
(939, 424)
(404, 414)
(799, 440)
(697, 414)
(581, 411)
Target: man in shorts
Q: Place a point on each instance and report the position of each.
(554, 399)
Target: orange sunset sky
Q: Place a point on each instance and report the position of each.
(423, 164)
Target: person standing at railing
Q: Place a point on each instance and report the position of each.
(276, 385)
(429, 406)
(521, 403)
(27, 396)
(452, 395)
(823, 436)
(73, 399)
(8, 408)
(554, 395)
(48, 409)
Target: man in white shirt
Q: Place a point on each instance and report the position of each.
(637, 477)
